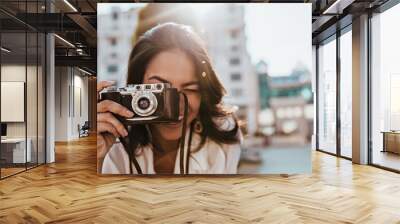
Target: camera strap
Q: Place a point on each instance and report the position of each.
(188, 148)
(183, 138)
(129, 143)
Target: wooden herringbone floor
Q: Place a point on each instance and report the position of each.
(69, 191)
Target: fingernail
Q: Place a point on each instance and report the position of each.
(125, 133)
(129, 113)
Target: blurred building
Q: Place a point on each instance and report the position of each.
(263, 78)
(289, 100)
(223, 28)
(114, 38)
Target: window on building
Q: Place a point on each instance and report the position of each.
(234, 61)
(115, 15)
(234, 33)
(236, 77)
(112, 68)
(237, 92)
(113, 41)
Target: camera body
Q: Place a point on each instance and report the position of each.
(151, 103)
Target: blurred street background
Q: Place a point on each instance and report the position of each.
(262, 57)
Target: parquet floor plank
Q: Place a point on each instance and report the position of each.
(70, 191)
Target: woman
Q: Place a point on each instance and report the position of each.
(171, 53)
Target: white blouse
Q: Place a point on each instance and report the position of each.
(211, 158)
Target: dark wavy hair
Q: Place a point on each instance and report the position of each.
(169, 36)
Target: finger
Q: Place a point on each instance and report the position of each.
(116, 108)
(109, 118)
(103, 84)
(106, 127)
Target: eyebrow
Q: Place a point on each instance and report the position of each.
(156, 77)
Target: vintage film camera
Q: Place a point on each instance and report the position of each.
(151, 103)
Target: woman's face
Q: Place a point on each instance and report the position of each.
(175, 67)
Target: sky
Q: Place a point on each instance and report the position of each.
(279, 34)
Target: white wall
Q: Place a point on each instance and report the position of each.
(71, 94)
(61, 103)
(14, 73)
(80, 96)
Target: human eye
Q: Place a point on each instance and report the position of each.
(191, 90)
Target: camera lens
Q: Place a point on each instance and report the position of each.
(143, 103)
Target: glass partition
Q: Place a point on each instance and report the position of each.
(22, 90)
(385, 89)
(14, 151)
(31, 97)
(346, 94)
(327, 96)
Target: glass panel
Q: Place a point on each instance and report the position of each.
(13, 85)
(346, 94)
(386, 89)
(32, 89)
(22, 78)
(31, 98)
(327, 97)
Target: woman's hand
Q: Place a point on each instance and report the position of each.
(108, 127)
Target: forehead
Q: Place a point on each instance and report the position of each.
(172, 65)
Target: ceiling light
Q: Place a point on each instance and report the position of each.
(84, 71)
(337, 7)
(70, 5)
(5, 50)
(65, 41)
